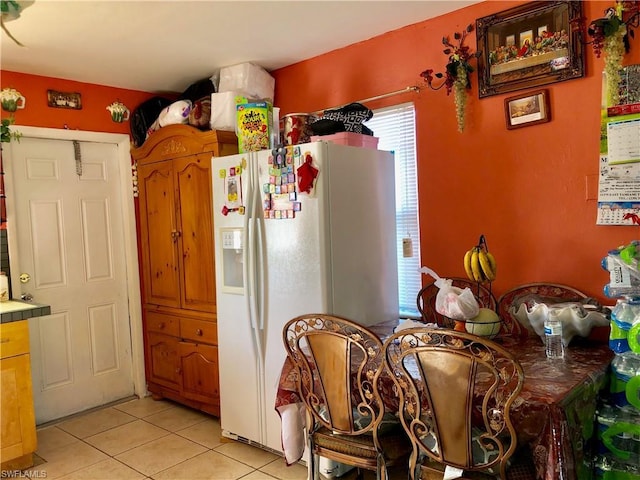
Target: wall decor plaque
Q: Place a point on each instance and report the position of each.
(57, 99)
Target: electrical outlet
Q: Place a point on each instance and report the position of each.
(591, 187)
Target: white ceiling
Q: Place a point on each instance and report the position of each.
(158, 46)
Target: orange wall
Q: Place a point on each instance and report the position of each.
(524, 189)
(92, 117)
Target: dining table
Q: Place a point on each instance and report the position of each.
(554, 414)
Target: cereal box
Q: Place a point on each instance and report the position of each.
(253, 126)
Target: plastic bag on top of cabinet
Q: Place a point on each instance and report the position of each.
(250, 80)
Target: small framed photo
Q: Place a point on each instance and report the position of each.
(528, 109)
(57, 99)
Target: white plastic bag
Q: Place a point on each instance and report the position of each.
(251, 80)
(453, 302)
(223, 110)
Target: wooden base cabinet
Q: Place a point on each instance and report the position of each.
(182, 358)
(17, 416)
(177, 256)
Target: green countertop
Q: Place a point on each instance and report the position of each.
(14, 310)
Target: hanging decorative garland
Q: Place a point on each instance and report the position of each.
(611, 35)
(456, 76)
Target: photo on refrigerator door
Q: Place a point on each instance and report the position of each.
(232, 187)
(234, 193)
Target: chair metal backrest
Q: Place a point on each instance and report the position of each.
(426, 300)
(338, 363)
(456, 390)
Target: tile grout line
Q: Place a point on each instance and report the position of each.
(163, 431)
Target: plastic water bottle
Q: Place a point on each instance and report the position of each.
(553, 335)
(625, 381)
(616, 292)
(623, 316)
(605, 418)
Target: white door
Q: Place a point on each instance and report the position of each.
(69, 230)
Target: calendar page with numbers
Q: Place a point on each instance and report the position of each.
(618, 213)
(619, 178)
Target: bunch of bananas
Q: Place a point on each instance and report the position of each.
(479, 263)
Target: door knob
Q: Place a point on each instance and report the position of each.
(27, 297)
(25, 277)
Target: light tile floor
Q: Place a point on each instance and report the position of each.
(147, 439)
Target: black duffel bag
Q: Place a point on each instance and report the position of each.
(143, 117)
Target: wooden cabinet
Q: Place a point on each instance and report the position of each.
(16, 409)
(178, 265)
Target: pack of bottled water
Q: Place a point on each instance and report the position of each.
(618, 412)
(623, 265)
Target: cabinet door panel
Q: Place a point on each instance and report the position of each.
(16, 414)
(193, 177)
(159, 234)
(163, 355)
(199, 366)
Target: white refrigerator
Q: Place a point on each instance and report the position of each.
(283, 252)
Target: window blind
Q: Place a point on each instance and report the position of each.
(395, 127)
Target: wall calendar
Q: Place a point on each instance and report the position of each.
(619, 177)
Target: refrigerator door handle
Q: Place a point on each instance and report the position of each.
(256, 258)
(261, 270)
(249, 272)
(249, 250)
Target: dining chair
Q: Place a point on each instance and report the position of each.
(513, 298)
(338, 364)
(426, 300)
(456, 390)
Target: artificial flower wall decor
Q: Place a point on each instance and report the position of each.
(457, 70)
(6, 135)
(611, 35)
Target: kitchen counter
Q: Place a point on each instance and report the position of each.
(14, 310)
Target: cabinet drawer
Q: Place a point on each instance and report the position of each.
(14, 338)
(199, 330)
(161, 323)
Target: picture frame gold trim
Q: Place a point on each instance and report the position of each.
(56, 99)
(554, 55)
(528, 109)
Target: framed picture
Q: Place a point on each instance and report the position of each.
(530, 45)
(64, 99)
(529, 109)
